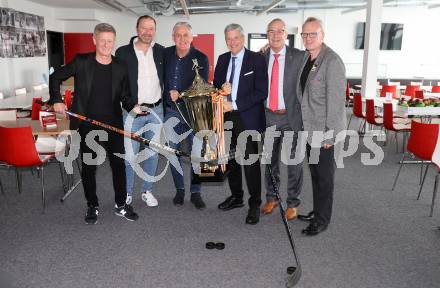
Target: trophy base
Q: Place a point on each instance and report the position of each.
(208, 176)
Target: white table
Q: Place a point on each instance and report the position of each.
(431, 95)
(418, 111)
(23, 101)
(400, 87)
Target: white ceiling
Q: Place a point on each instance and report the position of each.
(69, 3)
(170, 7)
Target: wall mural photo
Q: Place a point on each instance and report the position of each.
(21, 34)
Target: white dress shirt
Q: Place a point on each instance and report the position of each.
(149, 90)
(281, 64)
(238, 62)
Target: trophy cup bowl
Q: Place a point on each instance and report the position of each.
(199, 115)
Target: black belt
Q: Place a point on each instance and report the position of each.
(279, 112)
(152, 105)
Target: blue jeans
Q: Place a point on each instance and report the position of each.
(175, 143)
(148, 127)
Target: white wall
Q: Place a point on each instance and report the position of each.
(419, 55)
(413, 60)
(25, 72)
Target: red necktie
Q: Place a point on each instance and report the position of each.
(273, 96)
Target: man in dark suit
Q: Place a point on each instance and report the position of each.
(283, 111)
(101, 85)
(144, 58)
(179, 75)
(244, 74)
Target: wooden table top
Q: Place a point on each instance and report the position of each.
(37, 128)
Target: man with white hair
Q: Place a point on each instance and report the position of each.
(244, 74)
(321, 83)
(179, 75)
(283, 110)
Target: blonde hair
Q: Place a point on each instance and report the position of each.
(103, 27)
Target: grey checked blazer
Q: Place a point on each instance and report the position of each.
(323, 101)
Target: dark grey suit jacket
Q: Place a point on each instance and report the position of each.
(294, 58)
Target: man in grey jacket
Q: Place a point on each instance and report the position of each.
(321, 83)
(283, 112)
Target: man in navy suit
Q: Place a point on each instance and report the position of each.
(244, 74)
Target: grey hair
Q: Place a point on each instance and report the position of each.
(103, 27)
(276, 20)
(182, 24)
(234, 26)
(314, 19)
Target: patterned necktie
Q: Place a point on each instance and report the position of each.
(231, 77)
(273, 96)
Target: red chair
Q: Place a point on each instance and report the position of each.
(68, 98)
(419, 94)
(389, 89)
(411, 89)
(357, 110)
(395, 124)
(370, 115)
(422, 143)
(435, 89)
(17, 149)
(36, 108)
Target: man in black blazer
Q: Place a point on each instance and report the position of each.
(283, 111)
(244, 74)
(101, 85)
(144, 58)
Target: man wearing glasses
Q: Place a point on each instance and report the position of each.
(283, 110)
(321, 83)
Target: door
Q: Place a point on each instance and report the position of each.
(55, 49)
(75, 43)
(205, 43)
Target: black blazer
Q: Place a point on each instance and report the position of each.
(252, 87)
(127, 54)
(82, 69)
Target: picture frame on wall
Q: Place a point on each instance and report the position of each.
(21, 34)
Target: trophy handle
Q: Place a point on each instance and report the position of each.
(181, 114)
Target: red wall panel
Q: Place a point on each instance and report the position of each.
(205, 43)
(75, 43)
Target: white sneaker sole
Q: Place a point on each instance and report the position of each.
(123, 216)
(155, 204)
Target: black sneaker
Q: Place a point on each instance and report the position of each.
(197, 200)
(91, 215)
(127, 212)
(179, 198)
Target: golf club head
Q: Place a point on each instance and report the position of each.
(293, 278)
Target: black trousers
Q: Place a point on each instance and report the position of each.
(323, 180)
(252, 172)
(114, 144)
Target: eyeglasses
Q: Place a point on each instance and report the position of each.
(276, 32)
(311, 35)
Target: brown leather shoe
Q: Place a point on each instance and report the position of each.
(291, 213)
(269, 206)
